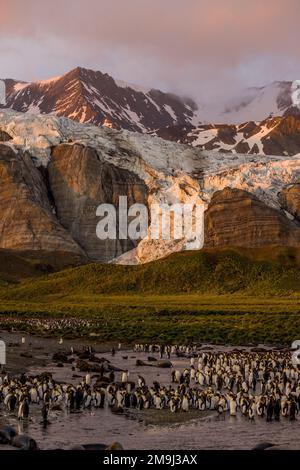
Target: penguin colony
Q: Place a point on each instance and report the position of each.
(254, 384)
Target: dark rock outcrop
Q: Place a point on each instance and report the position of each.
(284, 139)
(272, 136)
(4, 136)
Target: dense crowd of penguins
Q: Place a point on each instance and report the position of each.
(254, 384)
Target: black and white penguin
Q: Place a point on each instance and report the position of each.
(141, 381)
(23, 411)
(10, 401)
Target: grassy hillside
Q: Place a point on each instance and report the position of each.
(275, 272)
(234, 296)
(15, 266)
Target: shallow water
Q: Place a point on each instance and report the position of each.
(101, 426)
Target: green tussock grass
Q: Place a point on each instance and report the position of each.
(221, 296)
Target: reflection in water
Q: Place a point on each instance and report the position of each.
(203, 431)
(101, 426)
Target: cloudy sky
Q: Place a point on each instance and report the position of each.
(201, 48)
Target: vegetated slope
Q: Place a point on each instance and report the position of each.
(272, 270)
(17, 266)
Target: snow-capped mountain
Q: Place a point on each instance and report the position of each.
(92, 97)
(253, 104)
(272, 136)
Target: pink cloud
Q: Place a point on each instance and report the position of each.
(195, 45)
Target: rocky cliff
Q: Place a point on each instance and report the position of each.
(80, 181)
(55, 172)
(237, 218)
(27, 221)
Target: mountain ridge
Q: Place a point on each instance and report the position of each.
(92, 97)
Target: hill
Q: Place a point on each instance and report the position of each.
(258, 271)
(236, 296)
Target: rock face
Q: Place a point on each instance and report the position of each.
(80, 181)
(27, 221)
(237, 218)
(290, 200)
(54, 173)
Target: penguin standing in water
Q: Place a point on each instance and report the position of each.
(261, 406)
(78, 397)
(45, 413)
(177, 376)
(221, 405)
(133, 401)
(140, 402)
(10, 402)
(127, 400)
(102, 398)
(124, 378)
(70, 399)
(232, 404)
(251, 410)
(141, 381)
(185, 406)
(111, 376)
(23, 411)
(174, 404)
(270, 409)
(293, 410)
(277, 409)
(88, 379)
(88, 400)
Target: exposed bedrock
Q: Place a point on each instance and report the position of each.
(80, 180)
(238, 218)
(27, 221)
(290, 200)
